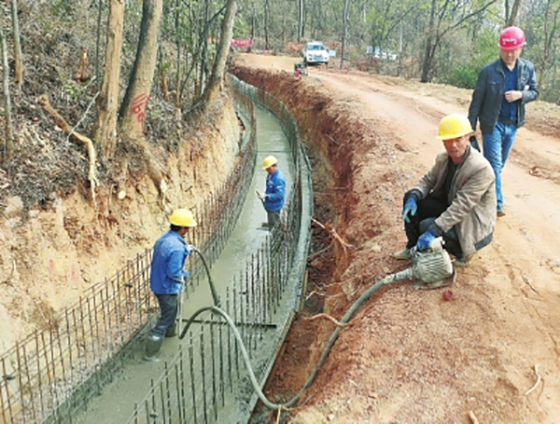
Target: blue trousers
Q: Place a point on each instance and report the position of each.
(496, 149)
(168, 314)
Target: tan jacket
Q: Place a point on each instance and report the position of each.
(472, 199)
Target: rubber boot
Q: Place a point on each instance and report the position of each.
(171, 331)
(152, 346)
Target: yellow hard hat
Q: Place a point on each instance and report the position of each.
(453, 126)
(182, 218)
(269, 161)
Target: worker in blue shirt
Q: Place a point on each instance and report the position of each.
(167, 276)
(273, 198)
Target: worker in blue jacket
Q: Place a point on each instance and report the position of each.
(167, 276)
(273, 198)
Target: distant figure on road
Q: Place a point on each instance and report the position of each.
(498, 102)
(273, 198)
(456, 199)
(167, 276)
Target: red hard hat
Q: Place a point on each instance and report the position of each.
(512, 38)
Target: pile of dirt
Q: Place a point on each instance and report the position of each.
(293, 48)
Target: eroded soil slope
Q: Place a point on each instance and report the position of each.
(53, 253)
(408, 356)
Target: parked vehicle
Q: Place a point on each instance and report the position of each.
(315, 52)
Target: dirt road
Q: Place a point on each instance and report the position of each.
(411, 357)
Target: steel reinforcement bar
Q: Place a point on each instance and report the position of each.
(207, 382)
(79, 348)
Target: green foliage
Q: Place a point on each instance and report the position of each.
(70, 87)
(464, 76)
(465, 72)
(241, 28)
(61, 8)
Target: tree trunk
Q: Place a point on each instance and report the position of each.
(204, 57)
(427, 62)
(320, 18)
(344, 31)
(18, 64)
(253, 20)
(7, 99)
(108, 100)
(283, 23)
(178, 47)
(98, 42)
(266, 21)
(549, 33)
(135, 102)
(300, 21)
(219, 67)
(163, 75)
(514, 12)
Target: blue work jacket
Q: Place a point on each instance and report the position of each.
(170, 253)
(275, 191)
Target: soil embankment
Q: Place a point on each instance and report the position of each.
(50, 254)
(408, 356)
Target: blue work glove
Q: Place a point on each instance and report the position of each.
(425, 240)
(410, 207)
(185, 274)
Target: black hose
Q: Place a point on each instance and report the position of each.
(210, 281)
(365, 296)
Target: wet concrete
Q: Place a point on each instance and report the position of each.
(116, 403)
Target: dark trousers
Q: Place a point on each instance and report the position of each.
(429, 209)
(273, 218)
(168, 314)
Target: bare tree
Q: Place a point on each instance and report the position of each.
(266, 23)
(344, 31)
(300, 20)
(108, 100)
(7, 99)
(178, 47)
(137, 96)
(204, 55)
(551, 17)
(98, 41)
(436, 33)
(510, 20)
(218, 69)
(18, 63)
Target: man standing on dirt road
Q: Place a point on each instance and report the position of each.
(273, 197)
(456, 199)
(167, 276)
(498, 103)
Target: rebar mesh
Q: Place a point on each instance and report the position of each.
(206, 381)
(81, 349)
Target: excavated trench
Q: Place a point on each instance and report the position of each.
(258, 276)
(117, 402)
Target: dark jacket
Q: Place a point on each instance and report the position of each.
(472, 199)
(489, 92)
(275, 191)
